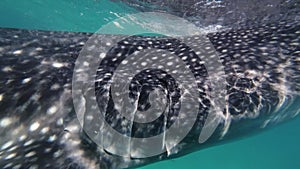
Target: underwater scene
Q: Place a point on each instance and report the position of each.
(43, 41)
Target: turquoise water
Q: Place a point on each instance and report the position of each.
(277, 148)
(64, 15)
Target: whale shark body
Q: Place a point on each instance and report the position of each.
(38, 123)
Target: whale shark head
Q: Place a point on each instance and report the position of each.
(40, 97)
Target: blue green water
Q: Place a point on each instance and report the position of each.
(277, 148)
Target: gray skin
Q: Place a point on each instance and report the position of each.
(38, 124)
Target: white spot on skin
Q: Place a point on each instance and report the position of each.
(136, 52)
(198, 53)
(60, 122)
(89, 117)
(170, 63)
(52, 110)
(39, 49)
(47, 150)
(26, 80)
(18, 52)
(57, 154)
(45, 130)
(12, 149)
(184, 58)
(52, 138)
(8, 165)
(154, 58)
(34, 167)
(17, 166)
(160, 67)
(295, 44)
(6, 121)
(144, 63)
(57, 65)
(86, 63)
(224, 51)
(207, 48)
(174, 71)
(30, 154)
(34, 126)
(11, 156)
(7, 145)
(27, 143)
(102, 55)
(55, 87)
(202, 62)
(22, 138)
(263, 48)
(124, 62)
(7, 69)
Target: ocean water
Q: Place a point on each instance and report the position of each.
(277, 148)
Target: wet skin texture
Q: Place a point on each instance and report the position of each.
(38, 124)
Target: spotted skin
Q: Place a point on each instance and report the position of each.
(38, 124)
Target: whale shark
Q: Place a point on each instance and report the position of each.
(39, 127)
